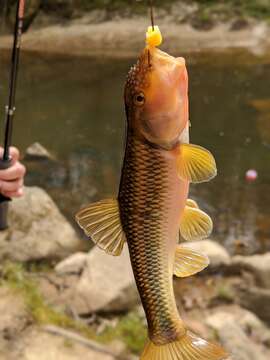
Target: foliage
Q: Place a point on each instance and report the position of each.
(206, 9)
(130, 328)
(255, 8)
(225, 293)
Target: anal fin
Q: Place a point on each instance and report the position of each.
(101, 221)
(188, 262)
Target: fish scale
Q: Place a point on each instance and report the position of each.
(143, 197)
(152, 206)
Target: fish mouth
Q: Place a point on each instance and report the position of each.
(154, 56)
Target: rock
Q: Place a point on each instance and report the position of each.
(37, 230)
(37, 344)
(63, 8)
(239, 24)
(233, 330)
(256, 300)
(217, 254)
(14, 316)
(182, 11)
(251, 324)
(106, 284)
(259, 265)
(37, 152)
(72, 265)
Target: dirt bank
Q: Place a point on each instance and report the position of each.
(125, 37)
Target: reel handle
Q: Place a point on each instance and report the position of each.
(4, 164)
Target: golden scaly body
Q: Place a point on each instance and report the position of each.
(150, 208)
(151, 205)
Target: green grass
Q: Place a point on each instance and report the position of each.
(129, 329)
(208, 10)
(115, 5)
(259, 9)
(225, 293)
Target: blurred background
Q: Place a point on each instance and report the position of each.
(61, 299)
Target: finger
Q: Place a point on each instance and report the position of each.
(16, 171)
(14, 194)
(10, 186)
(14, 153)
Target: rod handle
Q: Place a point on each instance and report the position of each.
(4, 164)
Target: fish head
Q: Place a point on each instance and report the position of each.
(156, 97)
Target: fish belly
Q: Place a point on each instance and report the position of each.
(152, 199)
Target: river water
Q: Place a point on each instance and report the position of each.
(74, 107)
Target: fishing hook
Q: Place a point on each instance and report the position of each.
(149, 58)
(152, 14)
(150, 2)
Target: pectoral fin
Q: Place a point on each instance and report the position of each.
(188, 262)
(195, 224)
(195, 164)
(101, 221)
(192, 203)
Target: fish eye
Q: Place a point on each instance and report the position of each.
(139, 99)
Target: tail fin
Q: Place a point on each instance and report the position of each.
(189, 347)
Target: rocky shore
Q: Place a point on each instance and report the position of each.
(59, 302)
(97, 33)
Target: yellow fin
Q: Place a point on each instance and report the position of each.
(188, 347)
(101, 221)
(195, 224)
(195, 164)
(188, 262)
(192, 203)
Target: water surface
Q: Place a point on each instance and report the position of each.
(74, 107)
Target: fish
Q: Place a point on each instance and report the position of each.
(152, 212)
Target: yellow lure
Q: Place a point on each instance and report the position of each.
(153, 36)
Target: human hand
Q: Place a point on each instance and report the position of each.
(12, 179)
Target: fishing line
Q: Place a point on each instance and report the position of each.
(152, 14)
(150, 2)
(151, 7)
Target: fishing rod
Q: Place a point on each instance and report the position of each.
(5, 162)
